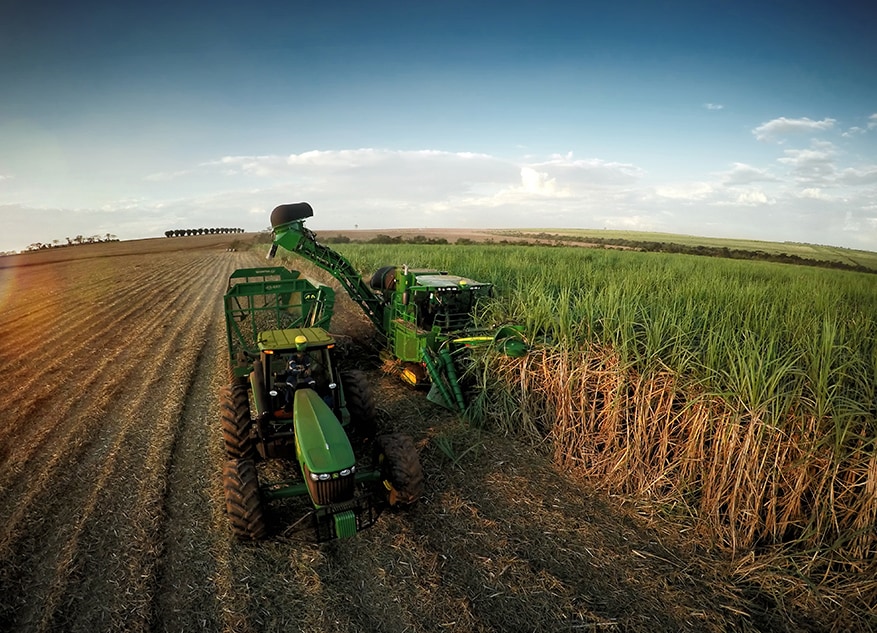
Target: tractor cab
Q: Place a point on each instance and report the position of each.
(293, 359)
(302, 411)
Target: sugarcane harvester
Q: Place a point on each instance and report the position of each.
(425, 315)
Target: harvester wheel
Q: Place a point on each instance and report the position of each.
(236, 422)
(401, 474)
(360, 404)
(242, 501)
(384, 278)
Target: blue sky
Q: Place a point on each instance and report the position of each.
(728, 119)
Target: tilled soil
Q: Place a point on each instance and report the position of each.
(113, 515)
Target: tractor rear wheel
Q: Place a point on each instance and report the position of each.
(242, 500)
(360, 402)
(241, 362)
(401, 473)
(236, 422)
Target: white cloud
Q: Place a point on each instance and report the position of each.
(164, 176)
(783, 126)
(805, 196)
(713, 106)
(754, 197)
(864, 176)
(813, 165)
(539, 183)
(743, 174)
(262, 166)
(432, 181)
(685, 191)
(814, 193)
(635, 222)
(591, 172)
(857, 130)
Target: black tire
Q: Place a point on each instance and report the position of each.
(242, 500)
(401, 474)
(384, 278)
(236, 422)
(240, 363)
(360, 402)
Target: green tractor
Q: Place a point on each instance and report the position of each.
(425, 315)
(289, 400)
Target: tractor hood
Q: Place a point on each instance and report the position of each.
(320, 440)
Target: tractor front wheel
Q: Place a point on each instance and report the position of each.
(236, 422)
(360, 403)
(399, 464)
(242, 500)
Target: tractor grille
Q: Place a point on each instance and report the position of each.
(363, 507)
(332, 490)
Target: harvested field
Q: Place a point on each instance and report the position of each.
(110, 462)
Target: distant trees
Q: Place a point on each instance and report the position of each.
(109, 237)
(75, 241)
(381, 238)
(202, 231)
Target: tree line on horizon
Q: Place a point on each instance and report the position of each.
(212, 231)
(73, 241)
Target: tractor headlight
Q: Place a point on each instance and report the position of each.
(327, 476)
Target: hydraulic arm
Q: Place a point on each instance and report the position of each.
(291, 234)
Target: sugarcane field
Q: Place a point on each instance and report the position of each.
(620, 440)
